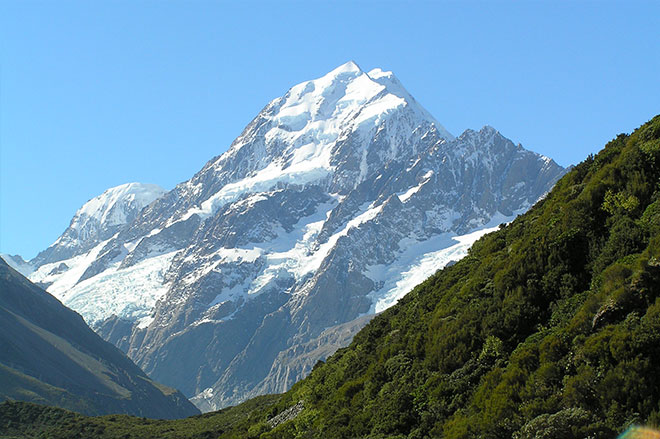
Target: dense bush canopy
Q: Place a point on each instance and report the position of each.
(550, 327)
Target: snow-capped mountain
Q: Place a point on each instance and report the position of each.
(334, 202)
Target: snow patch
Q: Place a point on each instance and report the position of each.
(129, 293)
(421, 259)
(416, 264)
(62, 282)
(290, 254)
(300, 173)
(413, 190)
(144, 322)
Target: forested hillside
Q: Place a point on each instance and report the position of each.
(549, 328)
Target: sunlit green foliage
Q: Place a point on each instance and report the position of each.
(548, 328)
(22, 419)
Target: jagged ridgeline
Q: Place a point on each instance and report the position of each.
(549, 328)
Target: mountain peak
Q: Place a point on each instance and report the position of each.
(99, 219)
(487, 129)
(318, 131)
(347, 67)
(344, 73)
(102, 207)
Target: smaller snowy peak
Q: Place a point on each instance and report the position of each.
(99, 219)
(110, 207)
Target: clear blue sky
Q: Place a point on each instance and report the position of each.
(98, 93)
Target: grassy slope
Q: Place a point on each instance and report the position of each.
(49, 355)
(21, 419)
(549, 328)
(22, 387)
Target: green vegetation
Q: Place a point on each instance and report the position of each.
(27, 420)
(549, 328)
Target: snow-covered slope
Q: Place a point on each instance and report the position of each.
(334, 201)
(65, 267)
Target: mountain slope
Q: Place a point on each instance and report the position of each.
(550, 328)
(334, 201)
(50, 356)
(17, 263)
(28, 420)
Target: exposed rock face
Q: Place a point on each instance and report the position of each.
(286, 415)
(335, 200)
